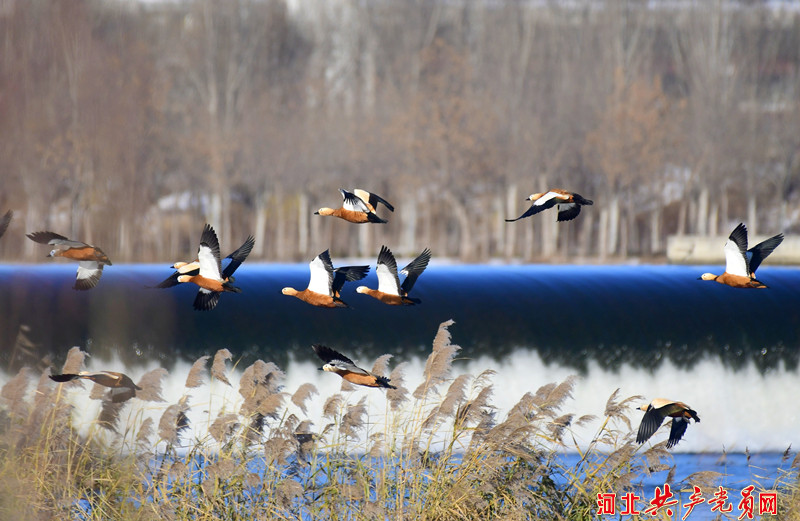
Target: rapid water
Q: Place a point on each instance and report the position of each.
(654, 331)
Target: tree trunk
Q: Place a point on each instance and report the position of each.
(713, 219)
(466, 248)
(260, 234)
(702, 212)
(682, 218)
(408, 224)
(510, 228)
(655, 231)
(752, 214)
(585, 236)
(497, 231)
(529, 242)
(603, 241)
(613, 226)
(364, 240)
(303, 212)
(550, 234)
(281, 251)
(123, 240)
(724, 204)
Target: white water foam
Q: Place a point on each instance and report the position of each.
(739, 410)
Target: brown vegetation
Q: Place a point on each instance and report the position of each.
(126, 124)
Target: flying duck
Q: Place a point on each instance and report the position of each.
(193, 268)
(5, 221)
(569, 204)
(326, 282)
(390, 291)
(358, 207)
(122, 387)
(91, 259)
(209, 276)
(740, 263)
(336, 362)
(654, 415)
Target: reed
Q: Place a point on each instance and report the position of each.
(441, 451)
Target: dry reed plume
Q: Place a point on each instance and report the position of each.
(441, 452)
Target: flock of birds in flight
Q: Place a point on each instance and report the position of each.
(326, 282)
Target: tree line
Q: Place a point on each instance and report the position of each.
(128, 125)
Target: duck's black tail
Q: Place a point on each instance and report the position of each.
(384, 382)
(373, 218)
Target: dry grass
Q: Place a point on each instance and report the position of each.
(440, 452)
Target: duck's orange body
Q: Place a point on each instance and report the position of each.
(386, 298)
(367, 380)
(209, 284)
(739, 281)
(347, 215)
(87, 253)
(314, 298)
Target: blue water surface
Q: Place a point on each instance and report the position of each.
(570, 315)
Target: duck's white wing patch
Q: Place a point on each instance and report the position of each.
(387, 280)
(88, 274)
(546, 198)
(321, 277)
(353, 203)
(209, 264)
(735, 260)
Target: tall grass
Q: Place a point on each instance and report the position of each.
(439, 451)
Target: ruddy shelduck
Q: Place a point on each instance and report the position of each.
(209, 276)
(569, 204)
(193, 268)
(336, 362)
(325, 283)
(740, 263)
(358, 207)
(5, 221)
(390, 291)
(122, 387)
(654, 414)
(91, 259)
